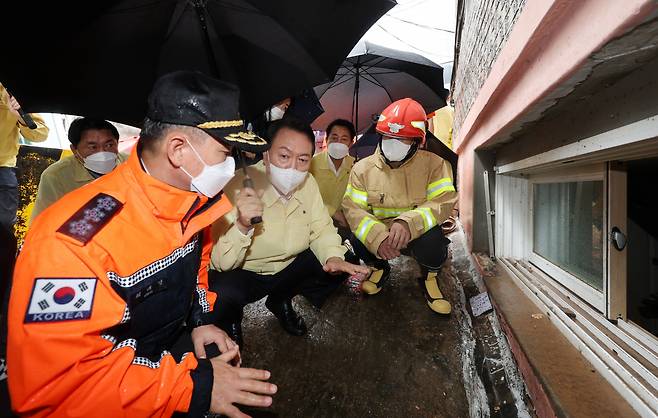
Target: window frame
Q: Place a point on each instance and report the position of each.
(593, 172)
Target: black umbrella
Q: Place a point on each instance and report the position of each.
(305, 106)
(365, 84)
(101, 58)
(366, 144)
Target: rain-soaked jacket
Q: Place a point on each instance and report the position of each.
(419, 192)
(108, 277)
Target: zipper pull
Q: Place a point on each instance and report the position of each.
(381, 198)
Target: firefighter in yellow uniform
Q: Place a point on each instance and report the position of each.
(396, 200)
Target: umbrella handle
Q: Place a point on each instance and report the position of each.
(248, 182)
(29, 122)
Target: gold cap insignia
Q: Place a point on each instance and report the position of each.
(221, 124)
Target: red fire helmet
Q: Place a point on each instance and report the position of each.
(404, 118)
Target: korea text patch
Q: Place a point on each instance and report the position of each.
(61, 299)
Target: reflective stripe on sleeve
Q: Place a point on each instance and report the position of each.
(439, 187)
(357, 196)
(364, 228)
(429, 221)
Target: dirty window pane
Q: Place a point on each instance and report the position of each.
(567, 222)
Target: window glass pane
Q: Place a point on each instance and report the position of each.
(568, 222)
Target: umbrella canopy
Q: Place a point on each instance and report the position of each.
(366, 83)
(366, 144)
(426, 27)
(305, 106)
(101, 58)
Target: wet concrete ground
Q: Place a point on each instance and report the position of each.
(385, 355)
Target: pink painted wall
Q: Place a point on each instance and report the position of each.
(549, 42)
(465, 181)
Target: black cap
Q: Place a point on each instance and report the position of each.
(191, 98)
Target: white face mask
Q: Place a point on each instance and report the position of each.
(275, 113)
(337, 150)
(212, 178)
(394, 149)
(285, 180)
(101, 162)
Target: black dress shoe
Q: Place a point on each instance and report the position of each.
(288, 318)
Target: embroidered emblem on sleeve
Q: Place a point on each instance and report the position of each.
(61, 299)
(91, 218)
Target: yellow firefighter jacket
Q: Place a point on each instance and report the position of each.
(442, 124)
(420, 192)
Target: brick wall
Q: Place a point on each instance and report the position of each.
(485, 28)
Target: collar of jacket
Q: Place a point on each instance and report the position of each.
(272, 195)
(348, 161)
(80, 172)
(170, 203)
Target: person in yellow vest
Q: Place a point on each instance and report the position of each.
(12, 126)
(95, 146)
(440, 123)
(331, 169)
(396, 200)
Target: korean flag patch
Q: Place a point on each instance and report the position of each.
(55, 300)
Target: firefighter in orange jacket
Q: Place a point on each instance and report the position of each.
(397, 199)
(110, 305)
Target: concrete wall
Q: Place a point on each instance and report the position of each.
(486, 26)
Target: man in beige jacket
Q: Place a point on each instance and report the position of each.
(295, 250)
(95, 146)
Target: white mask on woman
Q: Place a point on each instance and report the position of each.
(101, 162)
(337, 150)
(275, 113)
(212, 178)
(285, 180)
(394, 149)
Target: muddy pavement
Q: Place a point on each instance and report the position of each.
(385, 355)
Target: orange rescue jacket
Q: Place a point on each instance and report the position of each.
(106, 280)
